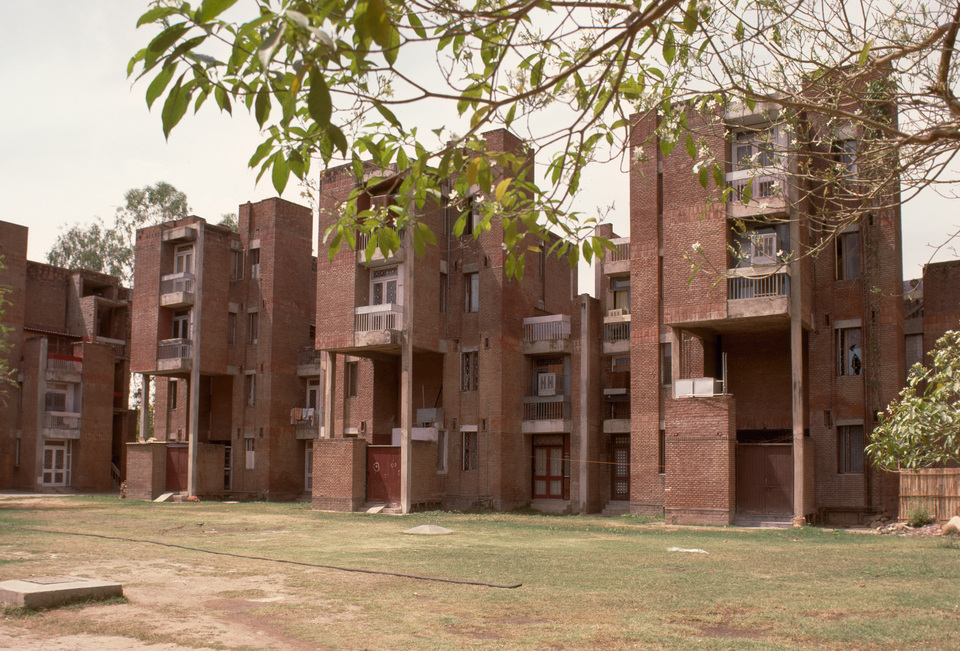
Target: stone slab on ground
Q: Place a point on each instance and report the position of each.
(48, 592)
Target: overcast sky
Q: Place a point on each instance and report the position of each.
(76, 135)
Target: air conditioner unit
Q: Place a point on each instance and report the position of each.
(616, 312)
(547, 384)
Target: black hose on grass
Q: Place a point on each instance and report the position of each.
(276, 560)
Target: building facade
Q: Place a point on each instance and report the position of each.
(221, 322)
(64, 423)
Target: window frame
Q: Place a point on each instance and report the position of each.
(470, 444)
(183, 259)
(849, 364)
(471, 292)
(253, 328)
(851, 440)
(845, 267)
(351, 386)
(666, 364)
(469, 371)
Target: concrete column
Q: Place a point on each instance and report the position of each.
(329, 391)
(584, 401)
(796, 375)
(144, 406)
(40, 437)
(406, 386)
(196, 338)
(676, 355)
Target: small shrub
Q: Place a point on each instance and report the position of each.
(918, 516)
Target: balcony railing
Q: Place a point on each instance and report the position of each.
(68, 421)
(308, 356)
(554, 408)
(740, 287)
(64, 363)
(175, 283)
(371, 318)
(616, 330)
(621, 252)
(546, 328)
(175, 349)
(762, 186)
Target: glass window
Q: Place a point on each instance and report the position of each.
(469, 450)
(353, 379)
(469, 371)
(253, 327)
(848, 256)
(384, 286)
(849, 352)
(181, 325)
(471, 289)
(666, 364)
(183, 259)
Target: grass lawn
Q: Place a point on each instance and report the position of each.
(596, 583)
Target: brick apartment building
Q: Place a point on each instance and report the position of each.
(493, 378)
(752, 387)
(64, 423)
(220, 323)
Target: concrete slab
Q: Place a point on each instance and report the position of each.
(50, 591)
(164, 497)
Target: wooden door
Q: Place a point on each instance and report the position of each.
(383, 474)
(765, 478)
(176, 468)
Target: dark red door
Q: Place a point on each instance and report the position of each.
(548, 472)
(764, 479)
(383, 474)
(620, 481)
(176, 468)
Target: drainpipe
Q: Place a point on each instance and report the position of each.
(796, 372)
(584, 400)
(406, 381)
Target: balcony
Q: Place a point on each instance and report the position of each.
(308, 423)
(308, 362)
(176, 290)
(546, 415)
(616, 417)
(616, 333)
(378, 259)
(64, 368)
(119, 345)
(179, 234)
(547, 335)
(618, 260)
(697, 387)
(61, 425)
(758, 291)
(378, 325)
(175, 355)
(768, 193)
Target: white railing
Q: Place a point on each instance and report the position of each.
(546, 409)
(621, 252)
(65, 420)
(175, 349)
(765, 286)
(545, 328)
(65, 363)
(181, 282)
(762, 186)
(370, 318)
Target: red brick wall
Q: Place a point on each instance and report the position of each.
(340, 472)
(146, 470)
(13, 250)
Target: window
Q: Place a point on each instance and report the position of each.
(172, 389)
(914, 350)
(763, 247)
(753, 149)
(845, 156)
(662, 452)
(848, 256)
(471, 292)
(850, 449)
(250, 454)
(236, 270)
(254, 263)
(383, 286)
(308, 463)
(666, 364)
(441, 451)
(620, 288)
(473, 214)
(59, 397)
(183, 259)
(469, 451)
(849, 352)
(227, 467)
(231, 328)
(469, 371)
(251, 389)
(313, 393)
(253, 327)
(353, 379)
(181, 325)
(443, 293)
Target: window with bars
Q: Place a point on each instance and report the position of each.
(470, 461)
(469, 371)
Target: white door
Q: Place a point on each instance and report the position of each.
(56, 463)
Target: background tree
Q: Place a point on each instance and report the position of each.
(229, 219)
(109, 249)
(335, 81)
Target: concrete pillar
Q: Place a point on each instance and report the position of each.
(406, 386)
(796, 375)
(329, 391)
(144, 407)
(676, 355)
(40, 437)
(584, 401)
(196, 338)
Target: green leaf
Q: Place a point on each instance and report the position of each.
(318, 99)
(166, 38)
(387, 114)
(666, 146)
(264, 150)
(159, 83)
(281, 172)
(691, 147)
(262, 105)
(502, 188)
(865, 52)
(270, 44)
(377, 23)
(718, 176)
(704, 176)
(669, 47)
(156, 14)
(223, 99)
(174, 108)
(210, 9)
(690, 18)
(738, 32)
(414, 21)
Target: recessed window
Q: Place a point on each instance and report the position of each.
(183, 259)
(181, 325)
(250, 454)
(253, 327)
(620, 288)
(848, 256)
(662, 452)
(383, 286)
(251, 389)
(666, 364)
(471, 292)
(850, 449)
(231, 328)
(441, 451)
(353, 379)
(173, 387)
(849, 352)
(254, 263)
(469, 451)
(236, 270)
(469, 371)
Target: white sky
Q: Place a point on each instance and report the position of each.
(77, 134)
